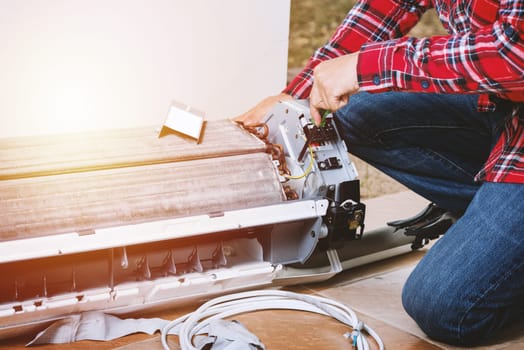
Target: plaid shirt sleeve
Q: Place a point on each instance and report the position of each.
(486, 53)
(367, 21)
(487, 57)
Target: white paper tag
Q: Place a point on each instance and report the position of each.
(183, 120)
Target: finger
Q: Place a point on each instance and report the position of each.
(316, 98)
(315, 114)
(315, 110)
(315, 104)
(251, 120)
(344, 99)
(243, 118)
(341, 101)
(253, 116)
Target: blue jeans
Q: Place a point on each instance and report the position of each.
(471, 282)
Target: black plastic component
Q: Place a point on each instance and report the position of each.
(429, 224)
(330, 163)
(318, 134)
(429, 213)
(345, 216)
(322, 133)
(431, 231)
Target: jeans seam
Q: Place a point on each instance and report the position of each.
(456, 166)
(378, 137)
(379, 134)
(505, 276)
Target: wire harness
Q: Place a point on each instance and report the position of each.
(225, 306)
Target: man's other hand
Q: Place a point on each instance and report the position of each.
(257, 113)
(334, 81)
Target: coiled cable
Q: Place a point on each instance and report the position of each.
(234, 304)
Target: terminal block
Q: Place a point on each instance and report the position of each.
(323, 133)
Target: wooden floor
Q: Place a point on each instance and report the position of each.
(373, 291)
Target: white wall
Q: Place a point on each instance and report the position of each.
(68, 65)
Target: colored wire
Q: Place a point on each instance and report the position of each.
(308, 170)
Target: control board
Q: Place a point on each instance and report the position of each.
(319, 166)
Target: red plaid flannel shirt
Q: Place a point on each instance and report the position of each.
(483, 53)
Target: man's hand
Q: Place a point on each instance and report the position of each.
(255, 114)
(334, 81)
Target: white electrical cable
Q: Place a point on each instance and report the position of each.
(238, 303)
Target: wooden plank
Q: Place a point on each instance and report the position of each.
(75, 202)
(46, 155)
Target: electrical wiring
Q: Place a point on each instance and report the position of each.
(276, 150)
(222, 307)
(307, 171)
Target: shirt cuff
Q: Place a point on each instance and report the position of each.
(394, 65)
(371, 72)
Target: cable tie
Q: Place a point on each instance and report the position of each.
(354, 336)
